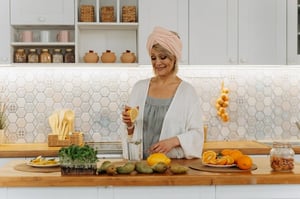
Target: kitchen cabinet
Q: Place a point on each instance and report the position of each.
(171, 14)
(5, 33)
(293, 32)
(237, 32)
(37, 24)
(42, 12)
(117, 35)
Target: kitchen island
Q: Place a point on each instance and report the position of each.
(259, 183)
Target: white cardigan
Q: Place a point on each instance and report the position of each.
(183, 119)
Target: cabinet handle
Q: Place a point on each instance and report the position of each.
(231, 60)
(243, 60)
(41, 19)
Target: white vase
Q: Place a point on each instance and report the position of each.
(2, 136)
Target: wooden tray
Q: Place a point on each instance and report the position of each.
(201, 167)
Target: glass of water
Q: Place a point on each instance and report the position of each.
(134, 147)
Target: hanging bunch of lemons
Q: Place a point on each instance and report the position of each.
(222, 103)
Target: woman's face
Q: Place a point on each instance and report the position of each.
(162, 63)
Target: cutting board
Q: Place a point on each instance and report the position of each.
(27, 168)
(199, 166)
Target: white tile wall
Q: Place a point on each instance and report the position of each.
(264, 101)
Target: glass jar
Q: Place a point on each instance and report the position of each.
(33, 56)
(57, 56)
(45, 56)
(69, 56)
(282, 157)
(20, 56)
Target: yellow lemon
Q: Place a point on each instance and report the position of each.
(133, 113)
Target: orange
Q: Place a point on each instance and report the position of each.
(209, 157)
(133, 113)
(226, 151)
(235, 154)
(158, 157)
(229, 159)
(244, 162)
(221, 160)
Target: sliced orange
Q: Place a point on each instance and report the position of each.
(221, 160)
(209, 157)
(133, 113)
(229, 159)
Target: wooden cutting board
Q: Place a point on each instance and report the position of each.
(199, 166)
(27, 168)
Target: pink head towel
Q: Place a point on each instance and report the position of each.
(166, 39)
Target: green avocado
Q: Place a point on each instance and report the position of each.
(142, 167)
(178, 169)
(126, 168)
(160, 167)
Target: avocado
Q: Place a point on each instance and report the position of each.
(160, 167)
(126, 168)
(142, 167)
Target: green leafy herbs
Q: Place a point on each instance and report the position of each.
(77, 155)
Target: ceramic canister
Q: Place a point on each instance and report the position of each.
(108, 57)
(91, 57)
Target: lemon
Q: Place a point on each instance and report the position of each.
(133, 113)
(158, 157)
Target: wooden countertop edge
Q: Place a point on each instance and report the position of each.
(262, 175)
(178, 180)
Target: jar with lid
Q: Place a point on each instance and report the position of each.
(69, 56)
(20, 56)
(282, 156)
(45, 56)
(33, 56)
(57, 56)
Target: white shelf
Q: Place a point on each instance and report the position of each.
(107, 26)
(43, 44)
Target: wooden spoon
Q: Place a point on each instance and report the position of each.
(70, 116)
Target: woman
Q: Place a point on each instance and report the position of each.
(169, 119)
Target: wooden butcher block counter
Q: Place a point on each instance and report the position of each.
(9, 177)
(247, 147)
(32, 150)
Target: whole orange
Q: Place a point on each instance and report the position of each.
(244, 162)
(236, 154)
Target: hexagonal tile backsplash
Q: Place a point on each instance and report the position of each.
(264, 102)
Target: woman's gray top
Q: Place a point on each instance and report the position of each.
(154, 114)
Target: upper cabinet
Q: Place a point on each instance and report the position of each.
(171, 14)
(5, 33)
(237, 32)
(293, 31)
(38, 12)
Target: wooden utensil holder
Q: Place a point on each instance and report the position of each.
(76, 139)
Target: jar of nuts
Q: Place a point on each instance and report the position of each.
(282, 157)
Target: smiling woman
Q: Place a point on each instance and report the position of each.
(161, 98)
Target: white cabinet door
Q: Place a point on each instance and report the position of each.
(237, 32)
(293, 38)
(213, 32)
(262, 32)
(5, 33)
(171, 14)
(54, 12)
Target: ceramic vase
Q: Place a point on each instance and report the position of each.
(128, 57)
(91, 57)
(108, 57)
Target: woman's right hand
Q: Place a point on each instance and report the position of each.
(125, 116)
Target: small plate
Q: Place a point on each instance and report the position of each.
(42, 165)
(219, 166)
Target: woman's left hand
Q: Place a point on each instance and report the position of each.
(164, 146)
